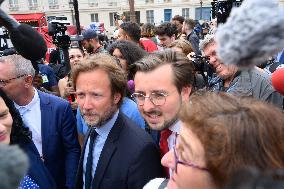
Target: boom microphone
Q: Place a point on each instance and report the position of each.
(13, 166)
(277, 79)
(253, 33)
(28, 42)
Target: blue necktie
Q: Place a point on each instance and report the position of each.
(88, 174)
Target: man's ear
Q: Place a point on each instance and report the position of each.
(185, 92)
(28, 81)
(116, 98)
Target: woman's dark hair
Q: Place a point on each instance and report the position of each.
(130, 51)
(19, 132)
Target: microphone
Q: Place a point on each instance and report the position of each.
(27, 41)
(253, 33)
(277, 79)
(13, 166)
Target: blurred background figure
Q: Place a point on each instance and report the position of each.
(148, 39)
(66, 89)
(191, 36)
(166, 33)
(178, 21)
(220, 134)
(127, 53)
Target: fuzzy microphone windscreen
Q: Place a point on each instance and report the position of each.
(13, 165)
(253, 33)
(28, 42)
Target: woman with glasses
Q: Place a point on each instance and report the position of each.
(220, 134)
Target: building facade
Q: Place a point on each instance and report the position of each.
(152, 11)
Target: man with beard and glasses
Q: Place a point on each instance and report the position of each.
(163, 82)
(91, 42)
(116, 152)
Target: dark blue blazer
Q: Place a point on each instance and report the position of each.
(129, 158)
(60, 146)
(37, 170)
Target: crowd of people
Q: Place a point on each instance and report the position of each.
(138, 114)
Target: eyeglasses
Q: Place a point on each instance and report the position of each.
(178, 161)
(157, 99)
(3, 83)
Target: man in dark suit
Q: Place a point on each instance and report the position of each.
(49, 118)
(116, 152)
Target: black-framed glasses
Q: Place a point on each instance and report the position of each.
(3, 83)
(157, 98)
(178, 161)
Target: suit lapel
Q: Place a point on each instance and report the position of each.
(108, 151)
(45, 110)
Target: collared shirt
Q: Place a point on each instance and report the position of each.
(31, 116)
(175, 128)
(100, 140)
(250, 83)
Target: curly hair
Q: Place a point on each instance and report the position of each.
(166, 28)
(19, 132)
(147, 30)
(130, 52)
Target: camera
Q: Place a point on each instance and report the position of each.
(57, 30)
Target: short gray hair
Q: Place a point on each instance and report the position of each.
(206, 41)
(22, 65)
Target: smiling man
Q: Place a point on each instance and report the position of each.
(251, 82)
(163, 81)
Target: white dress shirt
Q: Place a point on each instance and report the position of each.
(31, 116)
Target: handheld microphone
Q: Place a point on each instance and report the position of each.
(277, 79)
(13, 166)
(27, 42)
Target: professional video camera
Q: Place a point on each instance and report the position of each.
(202, 67)
(222, 8)
(57, 29)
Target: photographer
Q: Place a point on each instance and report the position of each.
(247, 82)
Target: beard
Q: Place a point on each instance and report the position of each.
(159, 126)
(93, 118)
(90, 49)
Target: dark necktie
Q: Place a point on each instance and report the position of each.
(88, 174)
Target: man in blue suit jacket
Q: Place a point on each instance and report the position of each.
(49, 118)
(116, 152)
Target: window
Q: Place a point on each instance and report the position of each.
(149, 1)
(137, 16)
(32, 2)
(167, 15)
(94, 17)
(13, 5)
(53, 2)
(203, 14)
(111, 19)
(185, 13)
(150, 16)
(13, 2)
